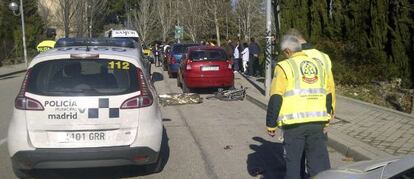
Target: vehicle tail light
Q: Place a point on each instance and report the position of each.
(24, 103)
(140, 157)
(188, 66)
(144, 99)
(229, 66)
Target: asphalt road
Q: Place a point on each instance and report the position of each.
(214, 139)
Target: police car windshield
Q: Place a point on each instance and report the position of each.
(199, 55)
(86, 77)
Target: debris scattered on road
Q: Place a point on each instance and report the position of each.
(228, 147)
(348, 159)
(180, 98)
(229, 95)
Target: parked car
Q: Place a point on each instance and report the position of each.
(85, 107)
(205, 67)
(395, 168)
(177, 51)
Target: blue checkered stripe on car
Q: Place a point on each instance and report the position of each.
(94, 113)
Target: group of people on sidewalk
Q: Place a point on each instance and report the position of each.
(245, 56)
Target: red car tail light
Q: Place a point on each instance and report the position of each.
(24, 103)
(229, 66)
(142, 100)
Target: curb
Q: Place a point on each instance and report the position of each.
(354, 148)
(8, 70)
(12, 73)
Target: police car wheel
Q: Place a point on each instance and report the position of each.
(22, 174)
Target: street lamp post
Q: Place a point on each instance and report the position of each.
(268, 75)
(13, 6)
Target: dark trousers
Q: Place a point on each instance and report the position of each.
(307, 139)
(240, 62)
(236, 64)
(253, 65)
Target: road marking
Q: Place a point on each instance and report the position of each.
(3, 141)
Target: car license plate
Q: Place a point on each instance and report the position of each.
(209, 68)
(76, 137)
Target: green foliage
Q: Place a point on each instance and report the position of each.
(10, 30)
(366, 39)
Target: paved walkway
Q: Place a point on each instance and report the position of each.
(360, 130)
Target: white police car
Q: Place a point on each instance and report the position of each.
(85, 107)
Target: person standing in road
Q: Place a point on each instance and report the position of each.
(254, 51)
(245, 57)
(229, 47)
(299, 104)
(236, 56)
(324, 60)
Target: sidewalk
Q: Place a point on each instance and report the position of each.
(12, 69)
(360, 130)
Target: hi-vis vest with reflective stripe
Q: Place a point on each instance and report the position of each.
(305, 97)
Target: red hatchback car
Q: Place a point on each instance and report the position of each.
(205, 67)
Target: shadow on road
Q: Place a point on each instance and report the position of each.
(262, 91)
(156, 76)
(104, 172)
(267, 159)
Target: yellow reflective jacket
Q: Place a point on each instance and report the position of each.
(326, 62)
(303, 85)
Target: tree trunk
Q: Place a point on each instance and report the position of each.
(216, 22)
(65, 18)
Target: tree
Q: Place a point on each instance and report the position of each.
(251, 18)
(166, 17)
(67, 12)
(372, 38)
(10, 30)
(89, 13)
(192, 22)
(143, 18)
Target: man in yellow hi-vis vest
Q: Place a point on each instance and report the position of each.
(298, 104)
(322, 58)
